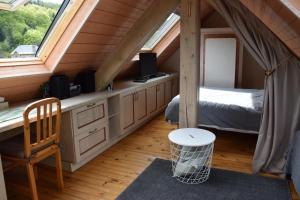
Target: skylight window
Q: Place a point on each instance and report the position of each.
(11, 4)
(23, 31)
(163, 29)
(293, 5)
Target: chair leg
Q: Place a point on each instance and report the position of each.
(59, 174)
(31, 180)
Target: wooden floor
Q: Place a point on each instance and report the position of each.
(109, 174)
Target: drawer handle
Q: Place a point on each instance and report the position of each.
(93, 131)
(91, 105)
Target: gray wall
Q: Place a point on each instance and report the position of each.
(253, 73)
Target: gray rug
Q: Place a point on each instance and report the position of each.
(157, 183)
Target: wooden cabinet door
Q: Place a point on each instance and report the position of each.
(140, 105)
(168, 91)
(127, 111)
(175, 87)
(160, 98)
(151, 100)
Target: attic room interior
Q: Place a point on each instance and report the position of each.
(150, 99)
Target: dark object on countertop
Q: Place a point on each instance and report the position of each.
(59, 86)
(141, 80)
(87, 81)
(75, 90)
(147, 64)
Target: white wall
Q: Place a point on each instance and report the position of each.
(220, 62)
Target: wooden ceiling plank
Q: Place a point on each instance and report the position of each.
(88, 38)
(74, 58)
(120, 8)
(140, 4)
(103, 29)
(91, 48)
(294, 43)
(104, 17)
(70, 34)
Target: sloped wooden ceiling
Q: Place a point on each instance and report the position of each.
(279, 19)
(110, 22)
(101, 34)
(274, 14)
(171, 47)
(166, 46)
(107, 25)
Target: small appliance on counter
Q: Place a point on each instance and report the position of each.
(59, 86)
(148, 67)
(75, 90)
(86, 79)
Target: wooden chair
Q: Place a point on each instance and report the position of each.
(31, 148)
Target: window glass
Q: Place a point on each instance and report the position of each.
(7, 1)
(163, 29)
(22, 31)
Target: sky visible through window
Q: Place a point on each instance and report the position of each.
(23, 30)
(163, 29)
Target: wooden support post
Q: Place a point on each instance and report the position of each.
(189, 63)
(135, 39)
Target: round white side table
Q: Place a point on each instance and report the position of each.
(191, 154)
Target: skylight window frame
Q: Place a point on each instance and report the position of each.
(54, 24)
(292, 6)
(65, 12)
(12, 5)
(165, 28)
(76, 16)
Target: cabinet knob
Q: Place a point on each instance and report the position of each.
(93, 131)
(91, 105)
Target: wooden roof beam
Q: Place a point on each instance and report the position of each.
(189, 63)
(144, 28)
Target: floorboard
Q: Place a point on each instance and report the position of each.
(110, 173)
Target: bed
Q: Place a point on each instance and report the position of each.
(238, 110)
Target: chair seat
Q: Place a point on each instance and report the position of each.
(14, 147)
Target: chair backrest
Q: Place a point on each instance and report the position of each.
(48, 112)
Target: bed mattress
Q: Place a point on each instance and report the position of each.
(226, 109)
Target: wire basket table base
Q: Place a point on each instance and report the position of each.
(191, 165)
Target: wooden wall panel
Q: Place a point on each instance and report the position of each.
(169, 50)
(105, 28)
(22, 88)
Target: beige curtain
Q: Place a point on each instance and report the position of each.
(281, 114)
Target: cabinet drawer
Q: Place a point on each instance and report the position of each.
(88, 114)
(91, 141)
